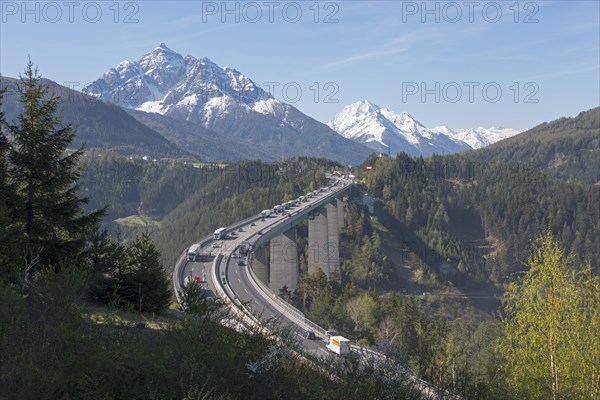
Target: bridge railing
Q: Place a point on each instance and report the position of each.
(178, 270)
(426, 388)
(283, 306)
(223, 289)
(226, 294)
(178, 277)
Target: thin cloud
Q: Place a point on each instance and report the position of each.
(395, 46)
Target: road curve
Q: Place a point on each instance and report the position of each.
(226, 278)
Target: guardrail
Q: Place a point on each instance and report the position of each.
(269, 233)
(222, 288)
(178, 270)
(229, 299)
(283, 306)
(426, 388)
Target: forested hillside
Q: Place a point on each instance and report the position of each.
(188, 201)
(239, 191)
(568, 148)
(62, 279)
(480, 218)
(141, 187)
(206, 144)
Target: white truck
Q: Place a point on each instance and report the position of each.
(193, 252)
(339, 345)
(244, 248)
(265, 213)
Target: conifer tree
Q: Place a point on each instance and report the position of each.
(45, 175)
(9, 229)
(143, 285)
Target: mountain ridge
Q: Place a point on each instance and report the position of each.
(567, 148)
(98, 124)
(223, 100)
(387, 132)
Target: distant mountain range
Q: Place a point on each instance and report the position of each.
(168, 105)
(222, 100)
(390, 133)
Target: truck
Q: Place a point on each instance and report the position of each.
(265, 213)
(338, 345)
(244, 248)
(220, 233)
(193, 252)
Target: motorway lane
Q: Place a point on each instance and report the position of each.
(238, 279)
(244, 289)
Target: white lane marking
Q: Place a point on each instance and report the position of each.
(246, 290)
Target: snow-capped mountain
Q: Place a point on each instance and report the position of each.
(388, 132)
(165, 82)
(223, 100)
(478, 137)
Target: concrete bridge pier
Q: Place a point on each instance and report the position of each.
(260, 263)
(318, 237)
(284, 262)
(333, 240)
(340, 210)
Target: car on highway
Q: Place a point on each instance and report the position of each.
(310, 335)
(253, 224)
(259, 232)
(330, 332)
(215, 245)
(240, 229)
(241, 262)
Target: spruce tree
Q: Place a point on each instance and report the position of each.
(9, 229)
(106, 258)
(45, 175)
(143, 285)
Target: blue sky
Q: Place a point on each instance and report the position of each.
(462, 64)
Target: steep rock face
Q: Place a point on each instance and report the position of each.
(165, 82)
(388, 132)
(223, 100)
